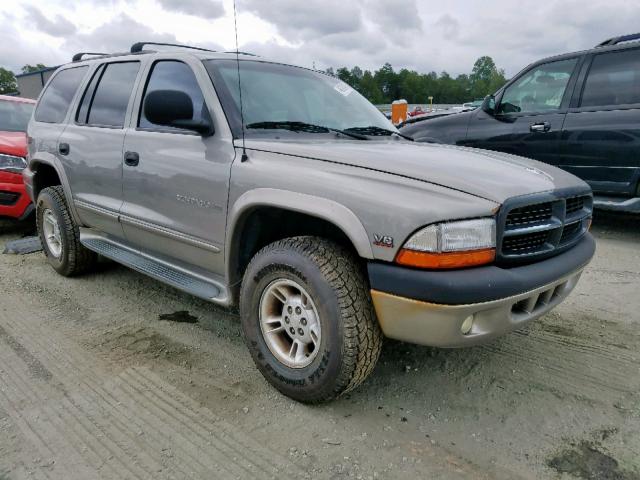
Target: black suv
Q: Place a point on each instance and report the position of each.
(579, 111)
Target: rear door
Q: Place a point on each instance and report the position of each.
(176, 191)
(51, 112)
(91, 145)
(535, 106)
(601, 137)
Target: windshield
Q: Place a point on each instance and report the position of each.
(14, 116)
(282, 97)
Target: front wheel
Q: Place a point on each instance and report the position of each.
(308, 318)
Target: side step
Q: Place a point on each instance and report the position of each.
(170, 274)
(617, 204)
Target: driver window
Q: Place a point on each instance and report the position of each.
(174, 75)
(539, 90)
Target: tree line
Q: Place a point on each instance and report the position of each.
(386, 85)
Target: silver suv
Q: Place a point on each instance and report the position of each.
(282, 191)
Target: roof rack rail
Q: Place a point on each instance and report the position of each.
(620, 39)
(138, 47)
(78, 56)
(242, 53)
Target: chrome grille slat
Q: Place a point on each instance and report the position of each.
(550, 222)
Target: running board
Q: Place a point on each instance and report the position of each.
(173, 275)
(617, 204)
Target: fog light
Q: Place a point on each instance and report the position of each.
(467, 325)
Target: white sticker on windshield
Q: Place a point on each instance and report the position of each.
(343, 88)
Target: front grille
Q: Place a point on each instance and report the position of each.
(574, 205)
(530, 227)
(529, 214)
(570, 231)
(8, 198)
(524, 243)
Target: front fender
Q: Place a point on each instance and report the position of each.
(323, 208)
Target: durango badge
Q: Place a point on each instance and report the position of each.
(382, 240)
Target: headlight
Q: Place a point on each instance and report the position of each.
(12, 164)
(451, 245)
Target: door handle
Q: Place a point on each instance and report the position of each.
(63, 148)
(542, 127)
(131, 158)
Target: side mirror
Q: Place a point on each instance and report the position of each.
(173, 108)
(489, 105)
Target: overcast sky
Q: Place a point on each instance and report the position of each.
(424, 35)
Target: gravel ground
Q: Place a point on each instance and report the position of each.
(114, 375)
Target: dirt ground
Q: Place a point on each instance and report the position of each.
(114, 375)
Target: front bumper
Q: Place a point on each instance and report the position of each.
(491, 301)
(14, 200)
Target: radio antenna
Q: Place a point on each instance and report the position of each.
(244, 157)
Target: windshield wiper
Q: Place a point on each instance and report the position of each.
(376, 131)
(305, 127)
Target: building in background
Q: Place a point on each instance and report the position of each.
(31, 84)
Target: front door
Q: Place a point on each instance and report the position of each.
(601, 138)
(176, 181)
(535, 105)
(91, 145)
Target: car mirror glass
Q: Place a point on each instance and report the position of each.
(489, 105)
(173, 108)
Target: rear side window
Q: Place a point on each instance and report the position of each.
(55, 101)
(83, 112)
(173, 75)
(106, 98)
(614, 79)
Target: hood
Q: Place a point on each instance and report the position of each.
(13, 143)
(491, 175)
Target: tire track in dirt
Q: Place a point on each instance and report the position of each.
(126, 386)
(40, 411)
(134, 413)
(573, 365)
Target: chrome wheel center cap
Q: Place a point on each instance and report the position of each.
(290, 323)
(51, 233)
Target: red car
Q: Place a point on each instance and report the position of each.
(15, 113)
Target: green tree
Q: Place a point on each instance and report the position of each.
(33, 68)
(387, 81)
(357, 73)
(386, 85)
(8, 82)
(344, 74)
(485, 77)
(370, 89)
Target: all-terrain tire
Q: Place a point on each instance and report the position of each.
(74, 258)
(351, 337)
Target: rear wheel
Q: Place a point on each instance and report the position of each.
(308, 318)
(60, 236)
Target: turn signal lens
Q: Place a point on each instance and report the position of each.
(459, 244)
(470, 258)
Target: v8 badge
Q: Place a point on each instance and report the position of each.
(382, 240)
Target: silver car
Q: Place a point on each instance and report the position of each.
(282, 191)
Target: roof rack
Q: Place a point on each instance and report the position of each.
(242, 53)
(620, 39)
(138, 47)
(78, 56)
